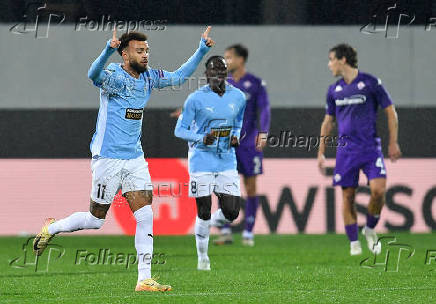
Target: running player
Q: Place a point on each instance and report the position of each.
(249, 152)
(117, 156)
(354, 100)
(211, 122)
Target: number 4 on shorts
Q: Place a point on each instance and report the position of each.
(379, 163)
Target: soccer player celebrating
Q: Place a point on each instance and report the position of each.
(353, 100)
(249, 152)
(211, 122)
(117, 156)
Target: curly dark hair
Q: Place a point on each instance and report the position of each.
(126, 37)
(345, 50)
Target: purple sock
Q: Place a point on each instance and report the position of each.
(352, 231)
(250, 212)
(371, 220)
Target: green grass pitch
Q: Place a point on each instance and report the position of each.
(279, 269)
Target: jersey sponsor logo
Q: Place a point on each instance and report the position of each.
(135, 114)
(221, 132)
(353, 99)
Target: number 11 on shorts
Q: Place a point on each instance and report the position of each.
(101, 190)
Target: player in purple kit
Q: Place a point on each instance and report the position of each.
(253, 139)
(354, 100)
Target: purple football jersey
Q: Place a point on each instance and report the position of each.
(355, 106)
(257, 102)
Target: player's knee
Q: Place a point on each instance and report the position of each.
(203, 207)
(93, 222)
(378, 193)
(204, 214)
(348, 195)
(231, 210)
(231, 214)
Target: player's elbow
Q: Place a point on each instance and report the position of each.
(91, 75)
(178, 132)
(391, 113)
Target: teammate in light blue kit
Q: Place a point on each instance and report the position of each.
(211, 122)
(117, 156)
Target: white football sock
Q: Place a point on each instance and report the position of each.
(144, 241)
(76, 221)
(247, 234)
(218, 219)
(202, 237)
(226, 230)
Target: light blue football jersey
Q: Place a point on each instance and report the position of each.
(122, 102)
(206, 112)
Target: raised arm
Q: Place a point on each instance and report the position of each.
(95, 72)
(179, 76)
(184, 122)
(393, 148)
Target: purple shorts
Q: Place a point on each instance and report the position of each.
(348, 165)
(249, 161)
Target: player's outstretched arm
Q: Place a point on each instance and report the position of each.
(95, 72)
(184, 122)
(392, 117)
(326, 129)
(179, 76)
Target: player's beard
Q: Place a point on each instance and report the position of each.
(218, 85)
(139, 68)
